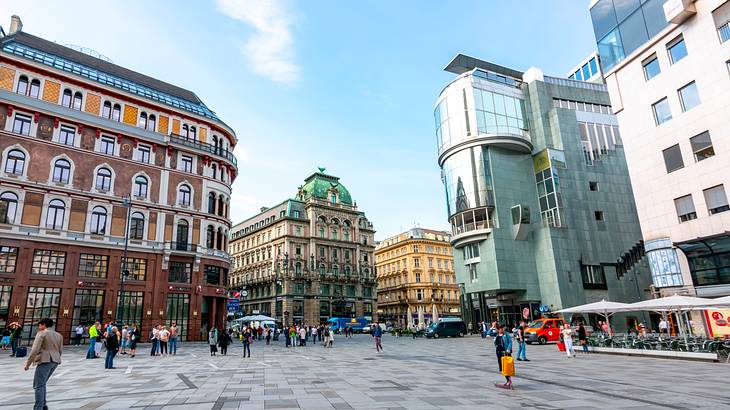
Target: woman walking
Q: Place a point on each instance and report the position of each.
(567, 333)
(112, 347)
(268, 335)
(503, 347)
(247, 340)
(223, 341)
(213, 341)
(583, 337)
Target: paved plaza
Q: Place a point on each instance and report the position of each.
(411, 374)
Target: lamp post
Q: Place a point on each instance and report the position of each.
(127, 200)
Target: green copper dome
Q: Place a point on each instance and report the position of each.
(322, 186)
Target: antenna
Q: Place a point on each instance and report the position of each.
(89, 52)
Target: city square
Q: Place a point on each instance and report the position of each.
(456, 373)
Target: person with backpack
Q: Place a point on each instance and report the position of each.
(503, 348)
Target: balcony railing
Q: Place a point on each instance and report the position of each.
(724, 32)
(203, 146)
(182, 246)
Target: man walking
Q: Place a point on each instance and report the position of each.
(521, 343)
(46, 355)
(377, 334)
(173, 339)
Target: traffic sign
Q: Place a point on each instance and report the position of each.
(233, 305)
(544, 308)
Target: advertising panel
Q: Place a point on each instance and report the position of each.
(718, 321)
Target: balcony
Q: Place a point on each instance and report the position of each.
(181, 246)
(470, 226)
(205, 147)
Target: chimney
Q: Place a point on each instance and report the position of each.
(15, 24)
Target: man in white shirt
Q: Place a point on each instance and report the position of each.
(79, 332)
(663, 326)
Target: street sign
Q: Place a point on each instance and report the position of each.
(544, 308)
(244, 293)
(233, 305)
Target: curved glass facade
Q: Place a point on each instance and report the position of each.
(499, 114)
(468, 180)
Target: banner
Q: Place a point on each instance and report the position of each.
(718, 322)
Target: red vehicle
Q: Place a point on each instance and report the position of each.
(544, 330)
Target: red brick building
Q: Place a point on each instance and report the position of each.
(94, 156)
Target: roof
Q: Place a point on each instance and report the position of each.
(64, 58)
(461, 63)
(318, 185)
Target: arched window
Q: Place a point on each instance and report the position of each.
(335, 270)
(15, 164)
(8, 207)
(22, 85)
(142, 120)
(211, 203)
(348, 270)
(61, 171)
(116, 112)
(214, 167)
(66, 98)
(322, 269)
(209, 241)
(77, 101)
(182, 235)
(321, 232)
(56, 214)
(136, 227)
(185, 131)
(219, 239)
(140, 186)
(35, 88)
(103, 179)
(333, 234)
(152, 122)
(106, 110)
(98, 220)
(183, 195)
(193, 134)
(220, 205)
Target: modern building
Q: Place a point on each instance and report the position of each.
(100, 163)
(588, 70)
(538, 193)
(306, 259)
(667, 67)
(416, 280)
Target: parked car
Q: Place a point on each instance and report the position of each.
(544, 330)
(366, 329)
(446, 327)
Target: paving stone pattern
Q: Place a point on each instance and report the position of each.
(411, 374)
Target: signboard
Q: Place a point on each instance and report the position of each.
(526, 313)
(233, 305)
(544, 308)
(718, 322)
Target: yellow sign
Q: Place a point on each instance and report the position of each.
(541, 161)
(718, 322)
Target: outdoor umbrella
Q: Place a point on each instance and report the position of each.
(435, 314)
(256, 318)
(420, 317)
(604, 307)
(410, 317)
(721, 302)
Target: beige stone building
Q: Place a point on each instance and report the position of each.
(306, 259)
(416, 280)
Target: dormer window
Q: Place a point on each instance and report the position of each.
(333, 198)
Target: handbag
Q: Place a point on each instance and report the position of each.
(508, 366)
(561, 346)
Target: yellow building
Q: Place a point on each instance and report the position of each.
(415, 277)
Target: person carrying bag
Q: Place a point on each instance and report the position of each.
(503, 347)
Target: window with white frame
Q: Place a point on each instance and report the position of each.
(184, 194)
(55, 214)
(67, 135)
(136, 226)
(140, 187)
(716, 199)
(107, 145)
(21, 124)
(186, 162)
(103, 180)
(8, 207)
(685, 208)
(77, 101)
(97, 224)
(143, 153)
(61, 171)
(15, 162)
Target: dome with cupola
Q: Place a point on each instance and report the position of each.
(324, 187)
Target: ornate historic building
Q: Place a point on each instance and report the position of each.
(99, 162)
(306, 259)
(416, 279)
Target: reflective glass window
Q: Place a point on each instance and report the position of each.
(611, 49)
(593, 65)
(603, 16)
(624, 8)
(702, 146)
(654, 16)
(651, 67)
(673, 158)
(677, 49)
(633, 32)
(689, 97)
(662, 112)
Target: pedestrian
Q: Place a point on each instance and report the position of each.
(503, 347)
(377, 335)
(483, 328)
(326, 336)
(46, 355)
(521, 342)
(247, 340)
(112, 347)
(606, 330)
(78, 333)
(583, 337)
(5, 340)
(223, 341)
(99, 340)
(173, 339)
(287, 336)
(164, 336)
(302, 336)
(260, 331)
(16, 332)
(663, 326)
(93, 335)
(314, 335)
(293, 335)
(567, 334)
(133, 339)
(124, 340)
(268, 335)
(213, 341)
(331, 339)
(154, 334)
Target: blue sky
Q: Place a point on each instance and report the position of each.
(347, 85)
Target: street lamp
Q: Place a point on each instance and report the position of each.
(127, 201)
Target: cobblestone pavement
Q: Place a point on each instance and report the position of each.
(411, 374)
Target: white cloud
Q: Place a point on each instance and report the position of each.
(271, 49)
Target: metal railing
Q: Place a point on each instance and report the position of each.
(203, 146)
(724, 32)
(575, 83)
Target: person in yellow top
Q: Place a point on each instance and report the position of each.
(93, 335)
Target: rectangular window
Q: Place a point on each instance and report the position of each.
(212, 275)
(593, 186)
(599, 215)
(350, 291)
(685, 208)
(178, 312)
(593, 277)
(143, 153)
(418, 277)
(187, 163)
(93, 266)
(702, 146)
(47, 262)
(689, 97)
(5, 292)
(106, 145)
(677, 49)
(67, 135)
(673, 158)
(416, 262)
(88, 307)
(40, 303)
(716, 199)
(180, 272)
(473, 275)
(651, 67)
(132, 306)
(8, 259)
(21, 124)
(662, 112)
(137, 268)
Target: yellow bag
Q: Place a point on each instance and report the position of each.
(508, 366)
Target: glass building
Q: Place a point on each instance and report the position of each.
(537, 193)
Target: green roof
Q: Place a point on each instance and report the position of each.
(319, 184)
